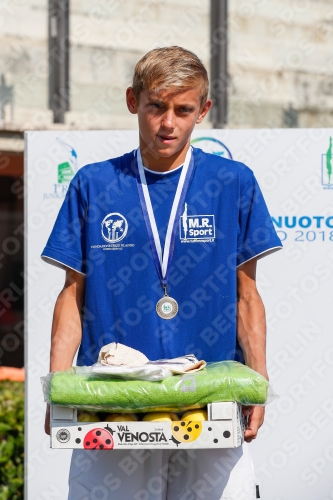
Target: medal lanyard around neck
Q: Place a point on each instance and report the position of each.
(163, 259)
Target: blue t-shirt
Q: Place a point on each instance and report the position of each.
(100, 232)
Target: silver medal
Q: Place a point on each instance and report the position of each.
(167, 307)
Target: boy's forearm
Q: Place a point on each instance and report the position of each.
(251, 328)
(67, 325)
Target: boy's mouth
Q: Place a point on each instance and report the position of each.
(166, 139)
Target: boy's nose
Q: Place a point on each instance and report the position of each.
(168, 120)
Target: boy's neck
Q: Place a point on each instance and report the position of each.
(161, 163)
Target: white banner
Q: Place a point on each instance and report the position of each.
(293, 454)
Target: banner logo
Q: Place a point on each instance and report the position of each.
(196, 228)
(114, 227)
(212, 146)
(67, 166)
(326, 168)
(67, 169)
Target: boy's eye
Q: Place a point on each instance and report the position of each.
(182, 109)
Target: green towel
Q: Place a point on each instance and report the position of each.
(222, 381)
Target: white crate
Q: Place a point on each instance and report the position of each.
(224, 429)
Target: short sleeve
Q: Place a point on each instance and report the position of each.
(65, 247)
(256, 234)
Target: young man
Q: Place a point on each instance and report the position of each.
(160, 249)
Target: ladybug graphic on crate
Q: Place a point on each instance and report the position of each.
(99, 439)
(185, 432)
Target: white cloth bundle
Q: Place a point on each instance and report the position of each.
(122, 361)
(119, 354)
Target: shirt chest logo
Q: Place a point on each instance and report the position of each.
(114, 227)
(196, 228)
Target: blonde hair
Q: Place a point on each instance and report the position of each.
(170, 68)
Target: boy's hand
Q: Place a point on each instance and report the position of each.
(255, 420)
(47, 420)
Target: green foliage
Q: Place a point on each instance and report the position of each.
(11, 440)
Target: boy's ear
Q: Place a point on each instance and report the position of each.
(131, 101)
(206, 107)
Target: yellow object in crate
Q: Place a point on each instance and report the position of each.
(121, 417)
(160, 416)
(195, 415)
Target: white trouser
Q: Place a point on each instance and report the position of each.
(224, 474)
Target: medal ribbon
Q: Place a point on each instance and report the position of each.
(163, 260)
